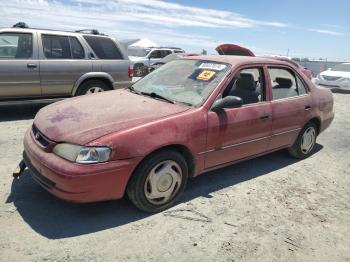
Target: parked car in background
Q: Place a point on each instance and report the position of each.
(168, 59)
(337, 77)
(143, 58)
(231, 49)
(188, 117)
(37, 64)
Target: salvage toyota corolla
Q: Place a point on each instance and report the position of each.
(188, 117)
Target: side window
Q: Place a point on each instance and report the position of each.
(56, 47)
(16, 46)
(156, 54)
(103, 47)
(165, 53)
(249, 85)
(77, 49)
(301, 87)
(283, 83)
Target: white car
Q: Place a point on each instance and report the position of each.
(338, 77)
(143, 58)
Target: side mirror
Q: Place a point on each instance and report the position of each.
(227, 102)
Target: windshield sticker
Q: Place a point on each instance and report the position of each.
(212, 66)
(206, 75)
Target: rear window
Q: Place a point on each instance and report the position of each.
(103, 47)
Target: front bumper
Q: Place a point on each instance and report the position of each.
(77, 182)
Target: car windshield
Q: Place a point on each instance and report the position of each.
(140, 52)
(342, 67)
(184, 81)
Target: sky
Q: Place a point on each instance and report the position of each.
(298, 28)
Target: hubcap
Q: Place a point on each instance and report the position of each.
(93, 90)
(308, 140)
(163, 182)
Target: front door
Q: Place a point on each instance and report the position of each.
(237, 133)
(19, 66)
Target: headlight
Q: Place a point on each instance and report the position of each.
(80, 154)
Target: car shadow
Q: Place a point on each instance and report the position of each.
(19, 112)
(57, 219)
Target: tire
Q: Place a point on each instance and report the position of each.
(153, 188)
(91, 87)
(304, 145)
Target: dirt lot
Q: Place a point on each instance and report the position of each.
(273, 208)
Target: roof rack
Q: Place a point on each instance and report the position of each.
(170, 47)
(89, 31)
(20, 25)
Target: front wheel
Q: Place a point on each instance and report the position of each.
(158, 181)
(304, 145)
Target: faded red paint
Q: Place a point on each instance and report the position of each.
(134, 126)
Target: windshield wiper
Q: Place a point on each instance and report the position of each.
(155, 95)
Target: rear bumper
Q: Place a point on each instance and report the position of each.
(77, 182)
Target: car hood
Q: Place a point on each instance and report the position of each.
(335, 73)
(83, 119)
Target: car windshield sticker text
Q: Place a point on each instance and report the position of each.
(212, 66)
(206, 75)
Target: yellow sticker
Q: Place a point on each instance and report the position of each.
(206, 75)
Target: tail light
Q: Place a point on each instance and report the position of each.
(130, 71)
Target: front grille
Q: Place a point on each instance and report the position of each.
(41, 139)
(331, 78)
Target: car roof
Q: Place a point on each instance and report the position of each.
(48, 31)
(238, 60)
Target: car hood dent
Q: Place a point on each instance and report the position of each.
(84, 119)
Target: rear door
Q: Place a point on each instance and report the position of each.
(19, 65)
(64, 61)
(290, 103)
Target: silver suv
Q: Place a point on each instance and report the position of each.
(143, 58)
(38, 64)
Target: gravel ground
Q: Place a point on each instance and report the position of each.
(272, 208)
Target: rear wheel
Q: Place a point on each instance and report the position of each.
(92, 87)
(158, 181)
(304, 145)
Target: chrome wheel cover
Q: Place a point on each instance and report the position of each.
(163, 182)
(93, 90)
(308, 140)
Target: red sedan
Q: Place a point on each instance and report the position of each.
(188, 117)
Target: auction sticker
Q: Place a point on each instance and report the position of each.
(206, 75)
(212, 66)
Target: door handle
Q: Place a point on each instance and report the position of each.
(264, 116)
(307, 108)
(32, 65)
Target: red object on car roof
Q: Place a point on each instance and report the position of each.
(231, 49)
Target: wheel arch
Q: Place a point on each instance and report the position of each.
(317, 122)
(182, 149)
(103, 77)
